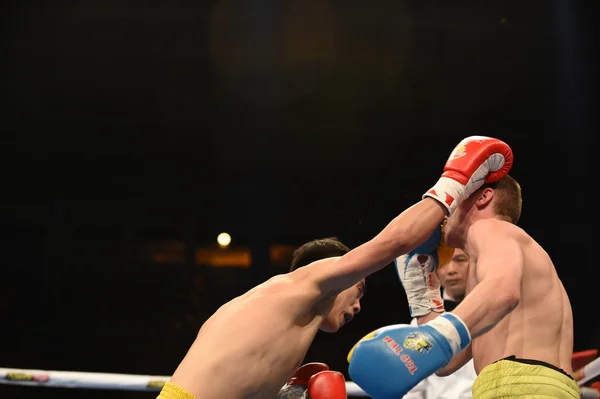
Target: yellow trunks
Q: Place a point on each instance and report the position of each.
(519, 378)
(172, 391)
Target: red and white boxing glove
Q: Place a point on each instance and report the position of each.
(314, 381)
(475, 160)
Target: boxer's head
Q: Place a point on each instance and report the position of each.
(347, 302)
(501, 200)
(453, 275)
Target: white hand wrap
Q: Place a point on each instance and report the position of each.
(422, 286)
(447, 192)
(453, 329)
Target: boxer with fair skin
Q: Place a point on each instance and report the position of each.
(516, 310)
(516, 304)
(253, 345)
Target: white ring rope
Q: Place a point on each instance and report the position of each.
(589, 393)
(589, 371)
(132, 382)
(124, 382)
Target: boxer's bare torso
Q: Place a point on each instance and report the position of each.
(541, 326)
(252, 345)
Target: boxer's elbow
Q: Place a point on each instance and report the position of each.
(456, 363)
(512, 300)
(445, 372)
(451, 367)
(511, 293)
(507, 299)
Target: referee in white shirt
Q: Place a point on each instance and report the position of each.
(458, 385)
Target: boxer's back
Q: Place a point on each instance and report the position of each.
(541, 327)
(253, 344)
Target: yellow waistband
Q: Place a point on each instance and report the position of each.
(173, 391)
(512, 379)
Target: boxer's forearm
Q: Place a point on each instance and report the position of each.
(403, 234)
(428, 317)
(488, 303)
(412, 227)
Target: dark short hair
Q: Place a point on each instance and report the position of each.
(317, 249)
(508, 200)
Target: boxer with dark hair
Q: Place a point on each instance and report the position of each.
(254, 344)
(316, 250)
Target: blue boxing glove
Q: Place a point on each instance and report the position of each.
(390, 361)
(416, 271)
(431, 244)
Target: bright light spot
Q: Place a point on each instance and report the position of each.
(224, 239)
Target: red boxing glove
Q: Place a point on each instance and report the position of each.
(474, 161)
(327, 385)
(298, 383)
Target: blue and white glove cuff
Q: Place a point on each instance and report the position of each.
(454, 329)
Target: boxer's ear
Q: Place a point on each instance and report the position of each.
(485, 197)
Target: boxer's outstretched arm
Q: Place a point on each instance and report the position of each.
(476, 159)
(408, 230)
(499, 263)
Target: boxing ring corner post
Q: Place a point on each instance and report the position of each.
(108, 381)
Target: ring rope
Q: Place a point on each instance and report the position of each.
(133, 382)
(589, 371)
(125, 382)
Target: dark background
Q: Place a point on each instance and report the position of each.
(129, 125)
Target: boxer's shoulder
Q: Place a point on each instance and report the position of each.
(491, 229)
(489, 225)
(297, 285)
(312, 275)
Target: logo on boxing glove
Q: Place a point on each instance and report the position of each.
(459, 151)
(417, 342)
(404, 357)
